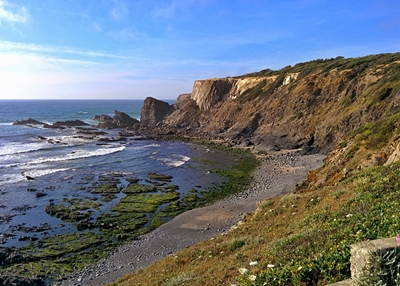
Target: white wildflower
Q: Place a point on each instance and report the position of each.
(252, 277)
(270, 265)
(253, 263)
(243, 271)
(349, 215)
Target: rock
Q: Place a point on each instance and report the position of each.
(70, 123)
(103, 118)
(29, 178)
(90, 131)
(28, 121)
(154, 111)
(120, 120)
(50, 126)
(40, 194)
(123, 120)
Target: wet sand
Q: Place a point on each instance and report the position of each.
(278, 174)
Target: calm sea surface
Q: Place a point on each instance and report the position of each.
(60, 165)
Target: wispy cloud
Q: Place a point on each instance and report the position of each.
(12, 14)
(47, 49)
(119, 10)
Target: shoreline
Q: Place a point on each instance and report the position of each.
(277, 174)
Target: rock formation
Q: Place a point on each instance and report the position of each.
(154, 111)
(120, 120)
(29, 121)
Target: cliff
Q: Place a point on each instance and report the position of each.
(310, 104)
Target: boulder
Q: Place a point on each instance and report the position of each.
(154, 111)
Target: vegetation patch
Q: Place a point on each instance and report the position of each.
(139, 188)
(73, 209)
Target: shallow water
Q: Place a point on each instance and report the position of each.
(64, 166)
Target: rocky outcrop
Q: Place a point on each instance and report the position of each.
(29, 121)
(120, 120)
(56, 125)
(70, 123)
(153, 111)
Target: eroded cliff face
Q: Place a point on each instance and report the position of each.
(310, 105)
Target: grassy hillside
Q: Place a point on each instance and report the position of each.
(298, 239)
(304, 238)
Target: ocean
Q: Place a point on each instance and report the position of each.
(59, 163)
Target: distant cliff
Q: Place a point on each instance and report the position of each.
(316, 106)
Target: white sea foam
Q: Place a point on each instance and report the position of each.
(18, 148)
(174, 160)
(39, 173)
(56, 142)
(15, 178)
(152, 145)
(78, 154)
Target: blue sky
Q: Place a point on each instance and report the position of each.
(131, 49)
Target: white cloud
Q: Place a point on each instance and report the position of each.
(60, 50)
(11, 17)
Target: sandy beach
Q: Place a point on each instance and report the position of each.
(277, 174)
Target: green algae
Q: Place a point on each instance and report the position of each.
(56, 256)
(144, 203)
(106, 188)
(172, 210)
(139, 188)
(159, 177)
(73, 210)
(143, 208)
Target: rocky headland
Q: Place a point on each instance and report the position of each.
(343, 110)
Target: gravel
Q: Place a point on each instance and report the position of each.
(277, 175)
